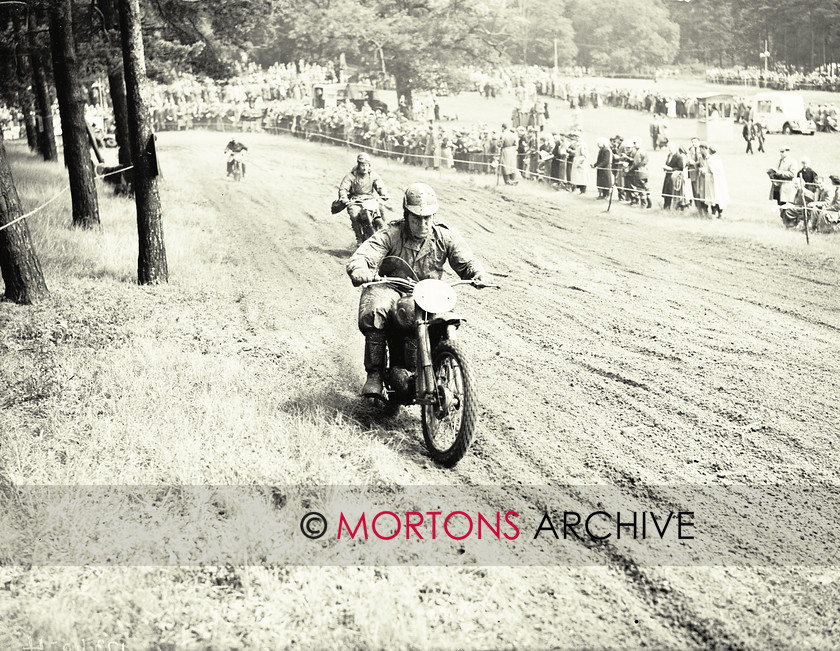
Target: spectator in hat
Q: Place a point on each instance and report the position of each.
(522, 150)
(578, 170)
(694, 160)
(639, 174)
(716, 188)
(809, 178)
(782, 189)
(674, 166)
(603, 168)
(507, 157)
(825, 213)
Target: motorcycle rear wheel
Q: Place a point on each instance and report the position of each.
(449, 426)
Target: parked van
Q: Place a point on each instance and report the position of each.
(782, 112)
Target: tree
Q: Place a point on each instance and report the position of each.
(207, 35)
(43, 100)
(707, 31)
(624, 35)
(74, 132)
(151, 258)
(420, 42)
(19, 263)
(538, 28)
(116, 80)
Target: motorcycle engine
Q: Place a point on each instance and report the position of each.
(401, 382)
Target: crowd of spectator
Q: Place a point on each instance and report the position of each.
(825, 78)
(279, 99)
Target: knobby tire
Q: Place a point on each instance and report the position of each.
(468, 408)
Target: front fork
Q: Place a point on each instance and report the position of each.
(426, 381)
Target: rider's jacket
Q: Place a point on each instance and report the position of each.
(425, 257)
(355, 184)
(235, 147)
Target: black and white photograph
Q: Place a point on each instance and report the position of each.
(419, 325)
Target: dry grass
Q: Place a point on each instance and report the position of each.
(110, 383)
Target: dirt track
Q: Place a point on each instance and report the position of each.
(625, 348)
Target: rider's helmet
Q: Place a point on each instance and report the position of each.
(420, 200)
(363, 158)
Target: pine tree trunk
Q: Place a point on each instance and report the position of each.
(116, 85)
(19, 263)
(151, 260)
(43, 102)
(74, 132)
(26, 99)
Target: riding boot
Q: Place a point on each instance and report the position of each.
(375, 352)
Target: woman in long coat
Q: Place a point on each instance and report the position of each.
(717, 189)
(578, 169)
(684, 196)
(603, 168)
(674, 165)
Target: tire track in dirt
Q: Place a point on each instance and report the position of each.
(619, 347)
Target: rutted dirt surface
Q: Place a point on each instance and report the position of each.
(631, 349)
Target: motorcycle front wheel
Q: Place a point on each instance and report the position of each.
(450, 423)
(367, 226)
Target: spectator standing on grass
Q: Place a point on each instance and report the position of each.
(579, 171)
(695, 158)
(508, 157)
(603, 168)
(662, 138)
(716, 188)
(639, 174)
(558, 162)
(545, 158)
(758, 131)
(674, 166)
(522, 151)
(620, 164)
(749, 135)
(654, 131)
(683, 193)
(782, 189)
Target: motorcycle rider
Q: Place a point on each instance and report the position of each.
(361, 181)
(233, 148)
(416, 247)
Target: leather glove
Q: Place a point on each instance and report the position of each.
(481, 280)
(362, 276)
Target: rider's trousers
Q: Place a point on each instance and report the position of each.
(376, 307)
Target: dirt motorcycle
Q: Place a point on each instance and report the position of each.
(428, 367)
(370, 218)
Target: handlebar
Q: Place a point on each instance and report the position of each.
(407, 283)
(365, 197)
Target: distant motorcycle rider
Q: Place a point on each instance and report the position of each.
(361, 181)
(416, 247)
(233, 148)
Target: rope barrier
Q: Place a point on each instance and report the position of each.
(60, 192)
(491, 166)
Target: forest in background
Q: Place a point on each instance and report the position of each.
(421, 43)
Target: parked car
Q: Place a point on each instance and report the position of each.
(782, 112)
